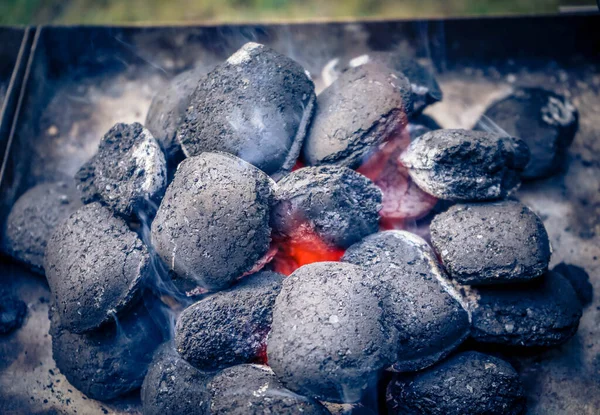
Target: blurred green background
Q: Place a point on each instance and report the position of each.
(147, 11)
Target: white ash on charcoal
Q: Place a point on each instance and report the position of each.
(421, 306)
(173, 387)
(467, 383)
(167, 110)
(579, 279)
(254, 390)
(541, 313)
(329, 337)
(229, 327)
(213, 223)
(257, 105)
(109, 362)
(464, 165)
(128, 173)
(491, 243)
(95, 266)
(34, 216)
(361, 110)
(12, 313)
(545, 120)
(339, 204)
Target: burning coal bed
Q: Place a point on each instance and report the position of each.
(248, 252)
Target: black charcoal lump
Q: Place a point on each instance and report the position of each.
(256, 105)
(545, 120)
(12, 312)
(213, 223)
(173, 387)
(340, 204)
(362, 109)
(128, 173)
(464, 165)
(579, 279)
(541, 313)
(328, 338)
(427, 320)
(467, 383)
(95, 266)
(255, 390)
(229, 327)
(491, 243)
(34, 216)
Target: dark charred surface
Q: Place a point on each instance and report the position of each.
(12, 313)
(340, 205)
(109, 362)
(491, 243)
(544, 312)
(257, 105)
(95, 267)
(128, 173)
(254, 390)
(173, 387)
(167, 110)
(34, 216)
(362, 109)
(466, 165)
(428, 322)
(230, 327)
(420, 125)
(329, 338)
(213, 223)
(545, 120)
(468, 383)
(579, 279)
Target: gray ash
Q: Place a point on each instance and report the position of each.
(491, 243)
(255, 390)
(173, 387)
(328, 338)
(12, 313)
(95, 266)
(579, 279)
(419, 303)
(545, 120)
(257, 105)
(340, 204)
(464, 165)
(34, 216)
(468, 383)
(213, 223)
(362, 109)
(229, 327)
(128, 173)
(541, 313)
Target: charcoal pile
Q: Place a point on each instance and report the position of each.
(248, 250)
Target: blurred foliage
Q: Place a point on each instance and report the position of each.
(137, 11)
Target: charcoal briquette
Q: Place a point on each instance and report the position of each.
(579, 279)
(12, 313)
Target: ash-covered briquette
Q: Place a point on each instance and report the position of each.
(465, 165)
(168, 107)
(468, 383)
(362, 109)
(340, 204)
(213, 223)
(95, 266)
(579, 279)
(230, 327)
(545, 120)
(329, 338)
(173, 387)
(425, 89)
(491, 243)
(255, 390)
(34, 216)
(421, 306)
(128, 173)
(12, 313)
(110, 361)
(256, 105)
(544, 312)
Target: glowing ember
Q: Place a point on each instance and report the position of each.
(260, 264)
(299, 164)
